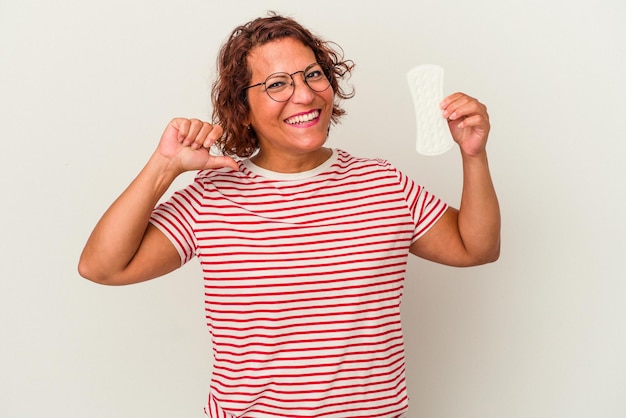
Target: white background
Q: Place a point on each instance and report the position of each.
(86, 89)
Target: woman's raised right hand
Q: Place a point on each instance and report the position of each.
(186, 143)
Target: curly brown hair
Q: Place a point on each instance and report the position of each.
(229, 97)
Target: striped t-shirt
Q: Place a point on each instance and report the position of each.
(303, 276)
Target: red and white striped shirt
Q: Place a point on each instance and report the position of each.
(303, 276)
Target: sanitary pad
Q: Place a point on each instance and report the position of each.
(433, 133)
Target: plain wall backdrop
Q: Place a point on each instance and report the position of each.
(86, 89)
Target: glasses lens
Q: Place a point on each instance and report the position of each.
(315, 77)
(279, 86)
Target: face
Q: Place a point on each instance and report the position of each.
(299, 126)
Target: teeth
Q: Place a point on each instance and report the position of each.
(303, 118)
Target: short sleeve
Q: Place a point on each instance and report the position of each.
(425, 208)
(176, 218)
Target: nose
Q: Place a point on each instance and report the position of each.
(302, 93)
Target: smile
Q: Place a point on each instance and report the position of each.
(303, 118)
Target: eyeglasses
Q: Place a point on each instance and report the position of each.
(280, 86)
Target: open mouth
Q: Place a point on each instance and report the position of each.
(304, 118)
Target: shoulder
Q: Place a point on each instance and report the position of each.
(219, 173)
(349, 161)
(222, 176)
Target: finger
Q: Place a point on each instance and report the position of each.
(208, 135)
(182, 127)
(474, 121)
(449, 100)
(203, 129)
(214, 134)
(463, 108)
(200, 138)
(452, 104)
(222, 161)
(195, 125)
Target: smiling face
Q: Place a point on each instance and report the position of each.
(291, 134)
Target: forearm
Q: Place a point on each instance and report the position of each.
(479, 212)
(119, 233)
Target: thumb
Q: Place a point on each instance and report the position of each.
(221, 161)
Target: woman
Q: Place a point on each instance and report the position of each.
(303, 248)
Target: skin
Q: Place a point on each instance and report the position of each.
(470, 235)
(124, 248)
(284, 147)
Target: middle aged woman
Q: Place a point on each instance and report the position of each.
(303, 248)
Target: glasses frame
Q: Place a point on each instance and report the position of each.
(325, 69)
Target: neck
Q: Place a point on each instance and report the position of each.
(291, 163)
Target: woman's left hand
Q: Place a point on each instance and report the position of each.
(468, 121)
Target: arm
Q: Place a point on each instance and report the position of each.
(470, 235)
(124, 247)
